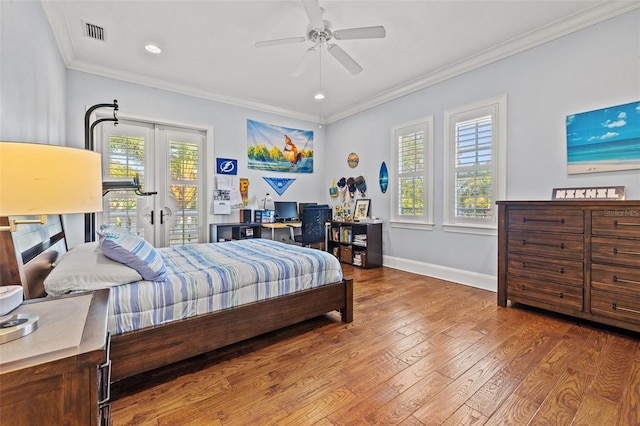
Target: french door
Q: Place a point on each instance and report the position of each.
(168, 161)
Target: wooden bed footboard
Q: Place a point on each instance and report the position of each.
(143, 350)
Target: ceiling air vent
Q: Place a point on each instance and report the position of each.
(93, 31)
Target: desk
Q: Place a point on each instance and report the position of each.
(280, 225)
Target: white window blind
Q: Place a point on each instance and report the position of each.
(412, 175)
(184, 159)
(473, 168)
(125, 160)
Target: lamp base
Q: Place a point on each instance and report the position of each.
(17, 326)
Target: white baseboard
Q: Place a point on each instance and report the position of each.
(472, 279)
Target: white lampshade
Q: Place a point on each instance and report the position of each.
(40, 179)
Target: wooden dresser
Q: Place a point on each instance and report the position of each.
(580, 258)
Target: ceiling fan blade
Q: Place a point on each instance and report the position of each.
(314, 13)
(356, 33)
(280, 41)
(343, 57)
(304, 62)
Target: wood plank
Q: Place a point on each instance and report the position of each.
(629, 404)
(562, 403)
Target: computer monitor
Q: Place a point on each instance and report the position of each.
(286, 211)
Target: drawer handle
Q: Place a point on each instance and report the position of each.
(105, 414)
(632, 253)
(525, 220)
(616, 223)
(106, 383)
(561, 295)
(524, 266)
(523, 288)
(633, 311)
(561, 245)
(620, 280)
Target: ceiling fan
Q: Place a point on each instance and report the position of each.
(320, 32)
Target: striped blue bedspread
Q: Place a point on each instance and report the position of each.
(203, 278)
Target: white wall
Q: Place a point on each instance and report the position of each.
(230, 134)
(32, 76)
(590, 69)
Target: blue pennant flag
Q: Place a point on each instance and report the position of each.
(279, 184)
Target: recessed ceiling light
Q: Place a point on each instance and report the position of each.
(319, 96)
(152, 48)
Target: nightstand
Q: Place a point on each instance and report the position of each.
(59, 374)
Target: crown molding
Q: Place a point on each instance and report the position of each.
(144, 80)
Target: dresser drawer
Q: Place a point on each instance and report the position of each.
(617, 223)
(616, 279)
(551, 220)
(615, 250)
(617, 306)
(570, 272)
(542, 294)
(547, 244)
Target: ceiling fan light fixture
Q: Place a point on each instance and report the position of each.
(152, 48)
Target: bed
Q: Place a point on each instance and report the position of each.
(256, 286)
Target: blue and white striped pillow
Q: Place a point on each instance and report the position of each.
(134, 252)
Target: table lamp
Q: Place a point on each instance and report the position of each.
(40, 180)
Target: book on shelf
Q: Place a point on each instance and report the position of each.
(360, 258)
(360, 240)
(346, 234)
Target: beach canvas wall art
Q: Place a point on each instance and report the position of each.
(604, 140)
(279, 149)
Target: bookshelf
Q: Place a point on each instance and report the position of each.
(359, 244)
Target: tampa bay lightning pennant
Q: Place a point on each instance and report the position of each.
(279, 184)
(226, 166)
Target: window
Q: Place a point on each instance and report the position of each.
(412, 179)
(475, 163)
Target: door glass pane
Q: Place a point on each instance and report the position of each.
(184, 160)
(125, 161)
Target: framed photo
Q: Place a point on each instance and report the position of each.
(362, 209)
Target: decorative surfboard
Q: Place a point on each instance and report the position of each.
(384, 177)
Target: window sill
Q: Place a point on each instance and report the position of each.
(471, 229)
(411, 225)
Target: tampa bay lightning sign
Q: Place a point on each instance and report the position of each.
(226, 166)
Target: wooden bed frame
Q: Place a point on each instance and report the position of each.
(153, 347)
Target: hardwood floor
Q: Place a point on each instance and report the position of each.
(420, 351)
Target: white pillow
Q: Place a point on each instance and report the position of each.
(86, 268)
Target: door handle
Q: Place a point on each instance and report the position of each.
(161, 217)
(152, 217)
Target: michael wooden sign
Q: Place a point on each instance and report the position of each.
(595, 193)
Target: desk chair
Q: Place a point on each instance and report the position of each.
(313, 227)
